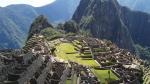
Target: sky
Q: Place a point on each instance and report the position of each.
(35, 3)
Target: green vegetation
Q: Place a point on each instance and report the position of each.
(14, 25)
(70, 34)
(75, 79)
(66, 51)
(84, 32)
(76, 43)
(38, 25)
(103, 75)
(144, 53)
(15, 20)
(72, 79)
(11, 36)
(71, 26)
(86, 19)
(50, 33)
(68, 82)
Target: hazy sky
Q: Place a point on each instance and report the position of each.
(35, 3)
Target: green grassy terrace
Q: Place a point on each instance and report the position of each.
(67, 52)
(104, 75)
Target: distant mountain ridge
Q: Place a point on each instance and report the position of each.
(138, 24)
(138, 5)
(14, 23)
(16, 20)
(59, 11)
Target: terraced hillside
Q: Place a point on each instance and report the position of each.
(70, 60)
(54, 58)
(104, 60)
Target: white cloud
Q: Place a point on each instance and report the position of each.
(35, 3)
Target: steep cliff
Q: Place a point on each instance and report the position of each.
(138, 24)
(103, 18)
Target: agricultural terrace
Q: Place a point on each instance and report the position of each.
(68, 52)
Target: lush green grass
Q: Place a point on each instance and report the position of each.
(76, 41)
(51, 34)
(75, 79)
(66, 51)
(103, 75)
(63, 52)
(76, 44)
(68, 82)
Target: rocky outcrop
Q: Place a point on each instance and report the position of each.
(39, 24)
(103, 18)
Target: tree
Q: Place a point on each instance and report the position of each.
(85, 32)
(50, 33)
(60, 26)
(71, 26)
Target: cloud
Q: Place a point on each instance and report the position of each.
(35, 3)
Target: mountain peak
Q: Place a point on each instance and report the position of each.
(103, 18)
(38, 24)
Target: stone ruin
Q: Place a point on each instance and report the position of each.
(32, 67)
(109, 56)
(34, 64)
